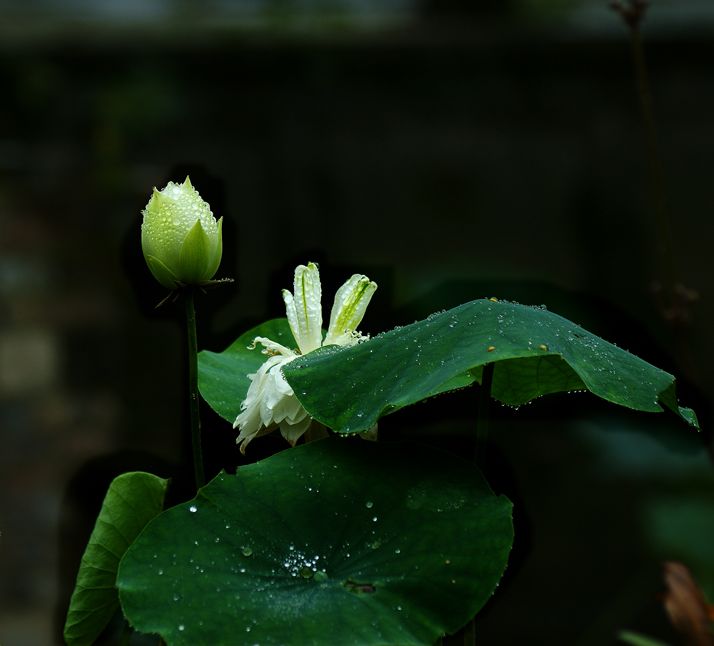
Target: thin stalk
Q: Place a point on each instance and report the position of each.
(193, 388)
(125, 637)
(484, 402)
(673, 303)
(470, 633)
(467, 635)
(662, 208)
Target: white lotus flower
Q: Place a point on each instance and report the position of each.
(270, 402)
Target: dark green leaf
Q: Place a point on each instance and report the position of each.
(132, 500)
(334, 542)
(535, 353)
(223, 376)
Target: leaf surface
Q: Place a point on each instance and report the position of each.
(132, 500)
(339, 541)
(534, 352)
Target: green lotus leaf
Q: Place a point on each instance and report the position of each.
(534, 352)
(339, 541)
(132, 500)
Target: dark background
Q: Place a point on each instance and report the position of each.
(449, 150)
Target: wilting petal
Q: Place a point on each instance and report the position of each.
(271, 347)
(293, 432)
(304, 308)
(270, 402)
(351, 302)
(245, 438)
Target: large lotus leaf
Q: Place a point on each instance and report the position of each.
(534, 352)
(132, 500)
(339, 541)
(223, 376)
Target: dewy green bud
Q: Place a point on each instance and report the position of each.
(181, 240)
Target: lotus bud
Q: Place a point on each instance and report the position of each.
(181, 240)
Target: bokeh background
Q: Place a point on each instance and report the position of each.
(450, 150)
